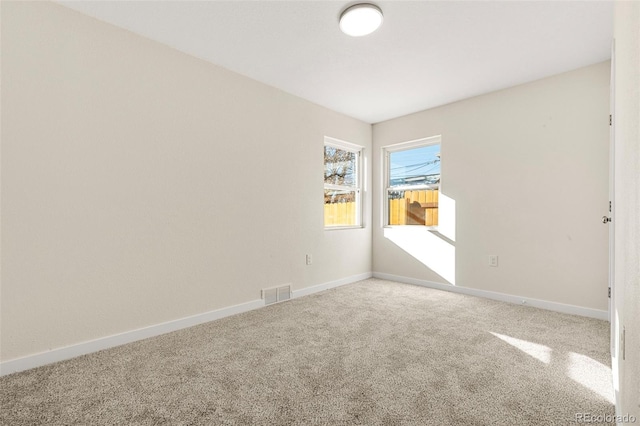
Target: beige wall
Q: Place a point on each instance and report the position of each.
(525, 177)
(138, 186)
(627, 205)
(142, 185)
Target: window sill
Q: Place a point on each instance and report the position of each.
(337, 228)
(428, 228)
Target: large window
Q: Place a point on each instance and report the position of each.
(342, 192)
(412, 182)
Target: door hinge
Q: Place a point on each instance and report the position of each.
(609, 292)
(609, 206)
(610, 120)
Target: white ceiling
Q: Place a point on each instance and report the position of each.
(427, 53)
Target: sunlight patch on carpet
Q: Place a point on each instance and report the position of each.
(591, 374)
(539, 352)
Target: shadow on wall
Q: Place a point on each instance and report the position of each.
(435, 250)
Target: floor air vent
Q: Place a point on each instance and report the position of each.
(276, 294)
(284, 293)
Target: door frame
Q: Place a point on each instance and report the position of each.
(611, 207)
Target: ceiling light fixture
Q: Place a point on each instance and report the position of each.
(360, 19)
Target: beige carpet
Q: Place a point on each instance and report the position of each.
(369, 353)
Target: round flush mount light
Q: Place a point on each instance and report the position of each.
(360, 19)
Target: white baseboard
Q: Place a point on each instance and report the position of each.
(519, 300)
(326, 286)
(83, 348)
(72, 351)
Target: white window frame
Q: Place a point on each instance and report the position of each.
(386, 175)
(358, 151)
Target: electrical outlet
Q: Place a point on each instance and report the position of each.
(493, 261)
(309, 259)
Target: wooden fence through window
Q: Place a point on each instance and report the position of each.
(340, 214)
(418, 207)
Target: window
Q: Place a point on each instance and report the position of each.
(412, 182)
(342, 191)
